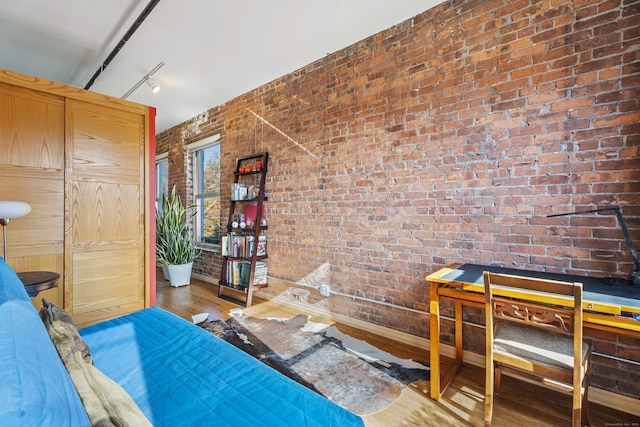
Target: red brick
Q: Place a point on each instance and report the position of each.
(448, 138)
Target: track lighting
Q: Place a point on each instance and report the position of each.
(153, 85)
(146, 79)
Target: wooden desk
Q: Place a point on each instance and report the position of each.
(463, 283)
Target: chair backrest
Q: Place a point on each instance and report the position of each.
(547, 304)
(542, 303)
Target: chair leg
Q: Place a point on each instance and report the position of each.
(585, 403)
(584, 415)
(498, 377)
(488, 394)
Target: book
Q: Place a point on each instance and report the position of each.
(242, 245)
(224, 245)
(262, 245)
(260, 273)
(245, 273)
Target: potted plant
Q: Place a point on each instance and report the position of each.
(175, 245)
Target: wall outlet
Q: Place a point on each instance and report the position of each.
(325, 290)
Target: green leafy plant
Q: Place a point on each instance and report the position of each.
(175, 244)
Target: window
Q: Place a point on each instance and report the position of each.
(205, 158)
(162, 177)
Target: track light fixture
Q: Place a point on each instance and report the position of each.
(153, 85)
(146, 79)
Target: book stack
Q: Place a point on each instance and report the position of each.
(239, 245)
(238, 191)
(239, 273)
(262, 245)
(260, 273)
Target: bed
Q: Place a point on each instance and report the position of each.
(172, 372)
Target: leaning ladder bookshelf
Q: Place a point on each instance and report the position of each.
(244, 248)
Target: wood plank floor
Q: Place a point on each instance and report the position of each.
(517, 404)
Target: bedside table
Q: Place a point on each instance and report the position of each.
(38, 281)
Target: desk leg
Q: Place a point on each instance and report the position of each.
(439, 384)
(459, 330)
(434, 339)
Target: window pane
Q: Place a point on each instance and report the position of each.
(162, 178)
(210, 220)
(206, 190)
(211, 168)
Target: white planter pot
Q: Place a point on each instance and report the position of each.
(179, 275)
(165, 273)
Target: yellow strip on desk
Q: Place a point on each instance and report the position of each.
(628, 323)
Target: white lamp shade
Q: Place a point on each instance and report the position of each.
(13, 209)
(153, 85)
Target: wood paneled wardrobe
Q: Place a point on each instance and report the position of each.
(82, 161)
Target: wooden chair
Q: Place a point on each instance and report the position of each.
(534, 330)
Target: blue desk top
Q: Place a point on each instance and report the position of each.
(594, 289)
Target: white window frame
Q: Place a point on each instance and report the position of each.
(192, 150)
(160, 158)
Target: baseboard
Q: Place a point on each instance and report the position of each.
(596, 395)
(615, 401)
(204, 278)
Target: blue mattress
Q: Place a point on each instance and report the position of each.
(181, 375)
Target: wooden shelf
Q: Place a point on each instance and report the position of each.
(241, 287)
(238, 258)
(248, 230)
(261, 160)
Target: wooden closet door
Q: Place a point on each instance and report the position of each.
(32, 170)
(104, 239)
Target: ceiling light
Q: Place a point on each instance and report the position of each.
(147, 78)
(153, 85)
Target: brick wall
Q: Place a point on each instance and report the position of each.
(447, 138)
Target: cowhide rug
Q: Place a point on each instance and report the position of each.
(356, 376)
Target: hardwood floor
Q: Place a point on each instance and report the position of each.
(517, 404)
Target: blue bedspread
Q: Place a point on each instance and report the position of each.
(181, 375)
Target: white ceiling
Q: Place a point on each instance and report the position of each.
(213, 50)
